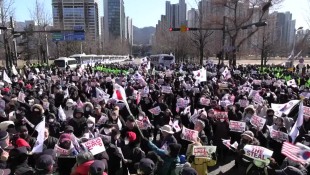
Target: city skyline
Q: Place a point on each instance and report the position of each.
(152, 11)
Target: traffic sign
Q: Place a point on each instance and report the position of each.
(68, 36)
(183, 28)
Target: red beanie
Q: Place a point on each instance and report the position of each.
(131, 136)
(6, 89)
(28, 86)
(21, 142)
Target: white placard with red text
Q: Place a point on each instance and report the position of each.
(237, 126)
(60, 151)
(278, 135)
(220, 114)
(203, 151)
(182, 103)
(257, 152)
(94, 146)
(155, 110)
(189, 135)
(166, 89)
(258, 121)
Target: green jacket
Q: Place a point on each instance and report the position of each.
(169, 162)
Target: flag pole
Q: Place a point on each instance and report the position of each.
(127, 106)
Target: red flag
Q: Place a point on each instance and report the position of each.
(118, 94)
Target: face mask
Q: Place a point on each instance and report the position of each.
(126, 141)
(167, 152)
(222, 120)
(270, 115)
(129, 101)
(106, 130)
(15, 80)
(87, 108)
(114, 117)
(259, 164)
(141, 117)
(69, 105)
(40, 92)
(51, 120)
(31, 102)
(90, 125)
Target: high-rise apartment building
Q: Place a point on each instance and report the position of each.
(192, 18)
(285, 28)
(176, 14)
(114, 19)
(69, 14)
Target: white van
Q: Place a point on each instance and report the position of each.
(63, 62)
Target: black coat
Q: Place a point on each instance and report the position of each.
(50, 142)
(133, 155)
(115, 158)
(79, 126)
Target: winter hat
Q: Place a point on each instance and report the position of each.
(3, 135)
(69, 101)
(91, 119)
(68, 129)
(189, 171)
(249, 134)
(65, 137)
(21, 142)
(131, 136)
(174, 149)
(145, 165)
(96, 168)
(44, 163)
(28, 86)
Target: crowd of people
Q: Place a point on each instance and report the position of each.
(122, 119)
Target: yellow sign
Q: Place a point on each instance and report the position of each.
(183, 28)
(291, 69)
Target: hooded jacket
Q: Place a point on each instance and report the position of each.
(54, 127)
(89, 112)
(79, 124)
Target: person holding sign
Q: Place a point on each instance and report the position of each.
(168, 137)
(65, 146)
(199, 126)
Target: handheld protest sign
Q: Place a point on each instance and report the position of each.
(258, 121)
(204, 151)
(237, 126)
(257, 153)
(95, 146)
(189, 135)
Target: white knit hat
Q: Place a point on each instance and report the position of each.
(91, 119)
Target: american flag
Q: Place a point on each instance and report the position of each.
(292, 152)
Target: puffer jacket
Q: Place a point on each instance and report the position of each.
(200, 164)
(79, 125)
(169, 162)
(82, 169)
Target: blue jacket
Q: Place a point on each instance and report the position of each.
(169, 162)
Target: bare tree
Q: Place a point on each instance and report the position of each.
(6, 11)
(42, 20)
(240, 14)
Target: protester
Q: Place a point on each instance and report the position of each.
(102, 119)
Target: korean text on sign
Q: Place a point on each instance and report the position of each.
(95, 146)
(189, 135)
(306, 111)
(258, 121)
(237, 126)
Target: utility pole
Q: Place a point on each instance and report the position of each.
(223, 39)
(14, 57)
(47, 52)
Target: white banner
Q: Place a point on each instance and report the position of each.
(60, 151)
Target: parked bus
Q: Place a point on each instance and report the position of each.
(162, 60)
(62, 63)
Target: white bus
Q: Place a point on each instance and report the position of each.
(162, 59)
(62, 63)
(83, 59)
